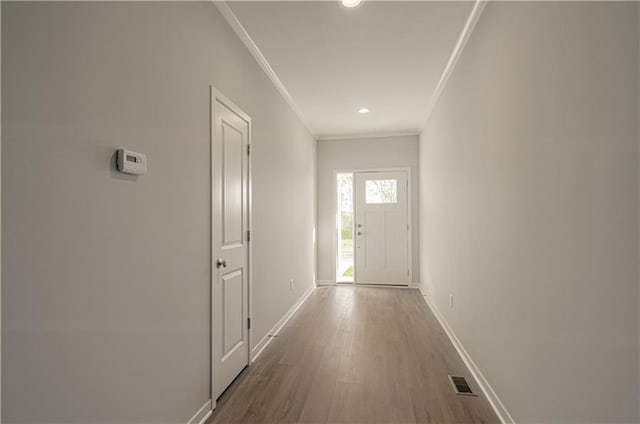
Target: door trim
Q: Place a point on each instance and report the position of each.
(334, 238)
(215, 95)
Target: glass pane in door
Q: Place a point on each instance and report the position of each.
(344, 218)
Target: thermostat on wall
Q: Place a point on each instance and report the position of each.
(131, 162)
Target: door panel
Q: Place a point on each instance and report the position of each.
(231, 320)
(381, 228)
(230, 304)
(232, 213)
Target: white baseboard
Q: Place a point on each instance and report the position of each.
(490, 394)
(202, 415)
(322, 283)
(257, 350)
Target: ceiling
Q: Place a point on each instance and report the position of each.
(332, 61)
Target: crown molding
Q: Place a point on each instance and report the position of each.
(469, 25)
(244, 36)
(367, 135)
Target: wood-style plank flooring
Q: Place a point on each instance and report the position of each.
(355, 355)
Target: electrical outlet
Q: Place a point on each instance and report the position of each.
(291, 284)
(451, 300)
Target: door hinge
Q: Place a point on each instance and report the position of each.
(407, 227)
(248, 149)
(248, 235)
(407, 272)
(249, 323)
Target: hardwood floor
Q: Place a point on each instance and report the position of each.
(355, 355)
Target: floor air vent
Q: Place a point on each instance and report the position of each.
(461, 386)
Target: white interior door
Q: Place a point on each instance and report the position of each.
(230, 303)
(381, 227)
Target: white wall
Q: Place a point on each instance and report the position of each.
(0, 214)
(529, 207)
(105, 301)
(365, 153)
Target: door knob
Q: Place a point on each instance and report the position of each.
(359, 225)
(221, 263)
(359, 233)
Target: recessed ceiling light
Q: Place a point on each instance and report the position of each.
(351, 3)
(363, 110)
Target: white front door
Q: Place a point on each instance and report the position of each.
(229, 179)
(381, 227)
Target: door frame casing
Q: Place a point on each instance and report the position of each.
(216, 95)
(334, 238)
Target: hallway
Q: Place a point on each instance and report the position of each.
(186, 184)
(355, 354)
